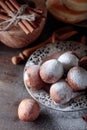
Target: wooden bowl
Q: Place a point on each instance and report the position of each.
(15, 37)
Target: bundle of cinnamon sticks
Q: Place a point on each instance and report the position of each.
(8, 6)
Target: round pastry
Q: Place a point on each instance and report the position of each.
(69, 60)
(76, 5)
(60, 12)
(32, 77)
(77, 78)
(51, 71)
(60, 92)
(83, 62)
(28, 110)
(24, 33)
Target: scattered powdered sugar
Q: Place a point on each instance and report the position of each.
(78, 76)
(68, 60)
(62, 90)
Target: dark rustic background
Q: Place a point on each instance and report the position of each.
(12, 89)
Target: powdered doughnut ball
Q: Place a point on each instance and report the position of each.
(51, 71)
(28, 110)
(69, 60)
(77, 78)
(32, 77)
(60, 92)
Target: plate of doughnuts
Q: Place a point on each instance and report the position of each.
(56, 76)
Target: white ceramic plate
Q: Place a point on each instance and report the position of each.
(77, 104)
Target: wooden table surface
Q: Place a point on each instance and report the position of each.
(12, 91)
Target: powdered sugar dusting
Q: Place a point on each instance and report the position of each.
(78, 76)
(41, 96)
(51, 68)
(68, 60)
(26, 77)
(62, 91)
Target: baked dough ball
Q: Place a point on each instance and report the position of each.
(51, 71)
(69, 60)
(28, 110)
(32, 77)
(60, 92)
(77, 78)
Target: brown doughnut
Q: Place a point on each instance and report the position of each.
(32, 77)
(69, 60)
(51, 71)
(60, 92)
(77, 78)
(28, 110)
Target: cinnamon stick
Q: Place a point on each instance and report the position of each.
(25, 23)
(8, 10)
(5, 7)
(10, 6)
(33, 24)
(39, 11)
(17, 6)
(4, 17)
(2, 11)
(37, 16)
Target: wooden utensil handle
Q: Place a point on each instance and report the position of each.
(27, 52)
(58, 36)
(64, 33)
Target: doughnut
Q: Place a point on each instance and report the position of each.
(32, 77)
(60, 92)
(51, 71)
(69, 60)
(77, 78)
(28, 110)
